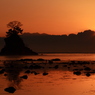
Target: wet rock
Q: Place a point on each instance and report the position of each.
(2, 71)
(88, 74)
(10, 89)
(56, 66)
(56, 59)
(31, 67)
(35, 73)
(87, 69)
(25, 67)
(28, 71)
(50, 61)
(26, 59)
(35, 67)
(45, 73)
(40, 59)
(75, 69)
(24, 77)
(77, 73)
(5, 74)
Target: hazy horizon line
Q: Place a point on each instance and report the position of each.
(53, 34)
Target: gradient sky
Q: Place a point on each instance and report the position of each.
(48, 16)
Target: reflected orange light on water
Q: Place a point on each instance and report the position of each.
(61, 80)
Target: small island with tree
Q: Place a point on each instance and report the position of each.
(14, 45)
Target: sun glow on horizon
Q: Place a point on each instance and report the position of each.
(52, 17)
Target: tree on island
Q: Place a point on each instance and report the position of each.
(14, 28)
(14, 45)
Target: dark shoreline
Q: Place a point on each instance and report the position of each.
(70, 52)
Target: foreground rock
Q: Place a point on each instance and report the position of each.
(10, 89)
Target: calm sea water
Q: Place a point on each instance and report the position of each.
(48, 56)
(59, 81)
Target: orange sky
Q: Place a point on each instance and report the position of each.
(48, 16)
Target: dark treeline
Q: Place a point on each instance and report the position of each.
(81, 42)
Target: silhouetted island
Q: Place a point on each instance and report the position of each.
(14, 45)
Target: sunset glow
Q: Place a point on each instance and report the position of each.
(48, 16)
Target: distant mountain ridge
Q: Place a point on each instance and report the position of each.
(82, 42)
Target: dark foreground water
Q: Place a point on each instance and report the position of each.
(58, 78)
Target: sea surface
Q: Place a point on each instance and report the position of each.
(49, 56)
(60, 78)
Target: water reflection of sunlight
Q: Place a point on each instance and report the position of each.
(72, 76)
(13, 69)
